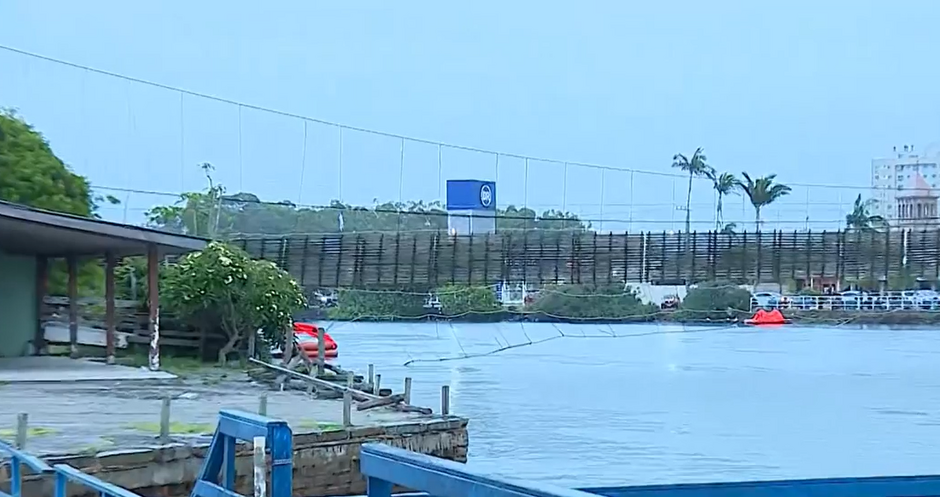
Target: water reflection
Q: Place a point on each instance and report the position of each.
(667, 403)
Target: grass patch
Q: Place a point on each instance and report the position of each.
(102, 445)
(309, 424)
(176, 427)
(32, 431)
(179, 365)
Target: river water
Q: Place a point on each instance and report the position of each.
(639, 404)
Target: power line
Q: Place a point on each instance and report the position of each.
(243, 105)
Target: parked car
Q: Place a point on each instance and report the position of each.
(926, 299)
(805, 302)
(849, 300)
(766, 300)
(670, 302)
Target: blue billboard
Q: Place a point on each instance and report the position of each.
(471, 195)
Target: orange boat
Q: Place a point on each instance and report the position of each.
(308, 337)
(762, 317)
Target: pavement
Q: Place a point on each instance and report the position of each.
(54, 369)
(76, 417)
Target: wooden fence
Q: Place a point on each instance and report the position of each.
(428, 260)
(131, 324)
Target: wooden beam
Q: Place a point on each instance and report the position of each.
(153, 301)
(110, 325)
(72, 264)
(42, 285)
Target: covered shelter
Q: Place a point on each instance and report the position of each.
(30, 238)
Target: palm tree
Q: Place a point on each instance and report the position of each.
(861, 219)
(696, 166)
(762, 192)
(724, 184)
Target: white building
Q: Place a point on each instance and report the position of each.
(891, 176)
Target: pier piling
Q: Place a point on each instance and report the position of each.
(445, 400)
(165, 420)
(22, 429)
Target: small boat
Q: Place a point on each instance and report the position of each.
(307, 338)
(764, 318)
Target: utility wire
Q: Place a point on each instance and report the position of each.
(243, 105)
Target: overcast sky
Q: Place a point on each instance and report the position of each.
(810, 90)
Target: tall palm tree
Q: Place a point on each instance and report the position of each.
(696, 166)
(762, 192)
(725, 184)
(861, 218)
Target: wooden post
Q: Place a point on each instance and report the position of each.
(321, 352)
(110, 325)
(165, 420)
(347, 401)
(263, 405)
(22, 430)
(153, 300)
(408, 390)
(371, 374)
(260, 473)
(42, 283)
(72, 264)
(445, 400)
(377, 387)
(252, 343)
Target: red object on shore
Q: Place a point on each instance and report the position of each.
(767, 317)
(308, 336)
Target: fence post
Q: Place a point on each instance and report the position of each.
(445, 400)
(263, 405)
(22, 430)
(260, 475)
(347, 402)
(165, 420)
(408, 390)
(378, 384)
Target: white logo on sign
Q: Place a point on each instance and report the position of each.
(486, 195)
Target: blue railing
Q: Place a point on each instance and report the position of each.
(217, 477)
(385, 467)
(18, 459)
(65, 473)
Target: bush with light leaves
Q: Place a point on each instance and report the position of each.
(222, 288)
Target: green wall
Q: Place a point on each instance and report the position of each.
(17, 304)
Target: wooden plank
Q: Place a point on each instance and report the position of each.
(59, 333)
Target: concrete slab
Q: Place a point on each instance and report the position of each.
(72, 418)
(44, 369)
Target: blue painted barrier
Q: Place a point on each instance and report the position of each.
(385, 466)
(18, 459)
(217, 477)
(65, 474)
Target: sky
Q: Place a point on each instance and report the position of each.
(808, 90)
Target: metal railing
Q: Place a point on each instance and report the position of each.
(18, 459)
(65, 474)
(851, 301)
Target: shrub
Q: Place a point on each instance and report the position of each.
(353, 304)
(715, 300)
(459, 301)
(592, 302)
(222, 288)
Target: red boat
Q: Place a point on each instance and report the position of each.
(307, 338)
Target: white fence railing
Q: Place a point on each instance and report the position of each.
(851, 301)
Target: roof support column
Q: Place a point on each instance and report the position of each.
(153, 300)
(42, 284)
(72, 263)
(110, 326)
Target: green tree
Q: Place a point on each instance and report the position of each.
(762, 192)
(31, 174)
(862, 219)
(221, 287)
(724, 184)
(696, 167)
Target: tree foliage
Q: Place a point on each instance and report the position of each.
(459, 300)
(213, 213)
(862, 219)
(696, 166)
(715, 300)
(762, 192)
(607, 302)
(221, 287)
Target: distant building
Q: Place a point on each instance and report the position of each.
(904, 187)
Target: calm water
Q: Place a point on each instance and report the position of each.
(671, 403)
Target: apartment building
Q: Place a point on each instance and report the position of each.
(904, 187)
